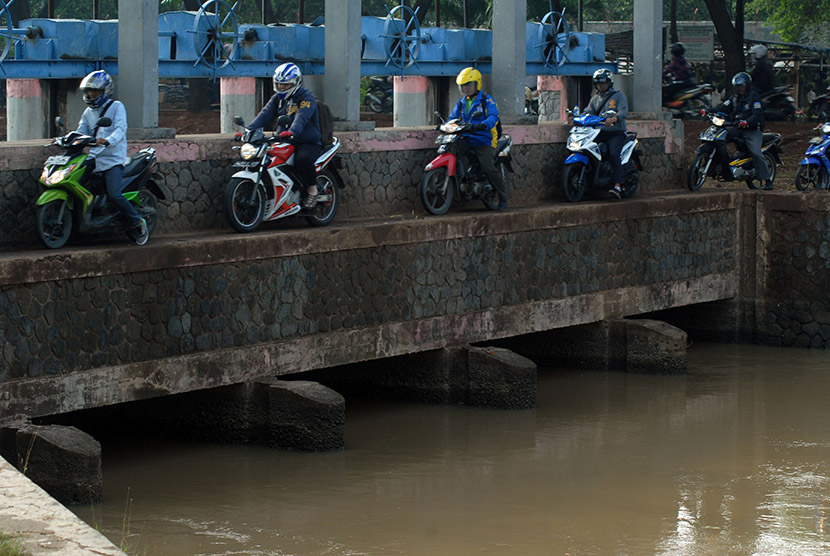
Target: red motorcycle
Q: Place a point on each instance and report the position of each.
(266, 185)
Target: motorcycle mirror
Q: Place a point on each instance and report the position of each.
(237, 120)
(283, 121)
(437, 114)
(59, 122)
(104, 122)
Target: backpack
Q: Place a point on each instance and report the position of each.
(484, 109)
(326, 121)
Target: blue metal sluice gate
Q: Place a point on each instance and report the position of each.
(210, 43)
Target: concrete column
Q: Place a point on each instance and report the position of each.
(138, 76)
(648, 33)
(553, 98)
(26, 110)
(238, 98)
(341, 89)
(509, 57)
(414, 101)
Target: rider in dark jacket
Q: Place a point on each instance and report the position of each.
(613, 105)
(763, 78)
(292, 99)
(678, 71)
(745, 108)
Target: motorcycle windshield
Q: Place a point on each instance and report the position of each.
(588, 120)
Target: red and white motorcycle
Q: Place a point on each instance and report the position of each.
(267, 186)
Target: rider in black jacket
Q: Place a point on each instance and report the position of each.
(745, 108)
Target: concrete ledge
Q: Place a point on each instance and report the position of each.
(41, 524)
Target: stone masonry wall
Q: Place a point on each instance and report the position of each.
(381, 169)
(797, 294)
(62, 326)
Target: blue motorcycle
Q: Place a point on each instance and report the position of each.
(814, 169)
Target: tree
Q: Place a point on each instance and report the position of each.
(731, 36)
(792, 17)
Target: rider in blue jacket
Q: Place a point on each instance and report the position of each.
(479, 108)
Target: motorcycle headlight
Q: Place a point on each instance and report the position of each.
(574, 145)
(718, 121)
(825, 128)
(248, 151)
(58, 176)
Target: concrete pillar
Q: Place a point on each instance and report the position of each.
(509, 57)
(342, 66)
(500, 378)
(553, 98)
(648, 36)
(414, 101)
(138, 76)
(26, 110)
(654, 347)
(238, 98)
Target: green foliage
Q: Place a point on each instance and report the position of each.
(9, 546)
(792, 17)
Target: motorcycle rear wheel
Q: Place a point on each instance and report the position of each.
(324, 212)
(374, 104)
(811, 174)
(697, 174)
(148, 209)
(755, 183)
(53, 233)
(572, 186)
(437, 190)
(244, 205)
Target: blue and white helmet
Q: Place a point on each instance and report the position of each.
(287, 74)
(100, 80)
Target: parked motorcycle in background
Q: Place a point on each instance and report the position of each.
(449, 175)
(588, 167)
(814, 169)
(266, 186)
(75, 200)
(531, 101)
(708, 165)
(380, 95)
(820, 107)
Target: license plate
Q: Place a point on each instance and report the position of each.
(58, 160)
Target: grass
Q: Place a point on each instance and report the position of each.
(10, 546)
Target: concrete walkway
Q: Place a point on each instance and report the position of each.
(41, 524)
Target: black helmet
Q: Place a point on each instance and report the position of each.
(603, 75)
(678, 49)
(741, 78)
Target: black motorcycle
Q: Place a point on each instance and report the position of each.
(779, 105)
(379, 95)
(707, 163)
(688, 103)
(820, 107)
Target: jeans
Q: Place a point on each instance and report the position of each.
(615, 139)
(113, 177)
(305, 154)
(486, 158)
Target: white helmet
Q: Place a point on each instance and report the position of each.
(290, 74)
(758, 51)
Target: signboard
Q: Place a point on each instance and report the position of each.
(699, 41)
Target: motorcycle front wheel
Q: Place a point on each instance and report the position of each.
(811, 174)
(374, 104)
(573, 181)
(437, 190)
(54, 223)
(328, 192)
(244, 205)
(697, 172)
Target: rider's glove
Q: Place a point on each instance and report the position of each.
(287, 135)
(702, 111)
(481, 126)
(743, 124)
(237, 136)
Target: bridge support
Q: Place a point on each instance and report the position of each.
(27, 110)
(238, 98)
(414, 101)
(509, 57)
(553, 98)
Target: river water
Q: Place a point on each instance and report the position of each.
(732, 458)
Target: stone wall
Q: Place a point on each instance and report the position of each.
(796, 310)
(205, 313)
(381, 169)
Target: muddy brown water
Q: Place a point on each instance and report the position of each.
(732, 458)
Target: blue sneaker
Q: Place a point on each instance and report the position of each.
(502, 205)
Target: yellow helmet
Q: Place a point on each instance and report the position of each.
(469, 74)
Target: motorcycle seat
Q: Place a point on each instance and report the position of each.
(137, 163)
(630, 135)
(769, 137)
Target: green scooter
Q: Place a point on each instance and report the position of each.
(75, 200)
